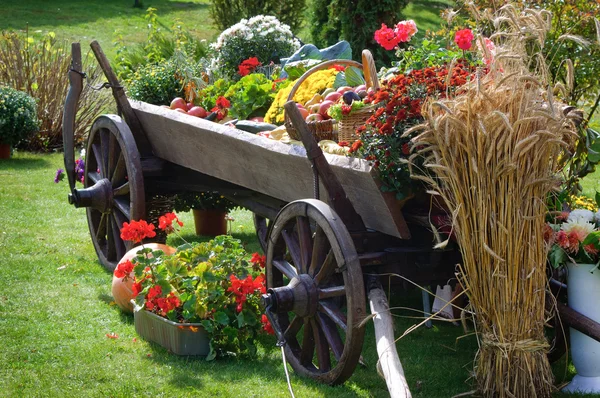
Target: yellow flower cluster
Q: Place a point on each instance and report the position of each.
(582, 202)
(314, 84)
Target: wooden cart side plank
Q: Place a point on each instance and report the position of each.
(273, 168)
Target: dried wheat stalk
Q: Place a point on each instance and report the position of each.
(492, 154)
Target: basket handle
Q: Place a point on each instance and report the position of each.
(368, 67)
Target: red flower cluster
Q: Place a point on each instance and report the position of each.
(165, 222)
(248, 66)
(136, 231)
(389, 38)
(161, 305)
(258, 261)
(355, 146)
(266, 324)
(339, 68)
(463, 38)
(241, 288)
(221, 107)
(123, 270)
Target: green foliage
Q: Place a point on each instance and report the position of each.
(355, 25)
(251, 96)
(431, 52)
(207, 98)
(158, 47)
(186, 201)
(226, 13)
(209, 282)
(262, 36)
(156, 84)
(18, 116)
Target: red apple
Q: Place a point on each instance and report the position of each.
(198, 111)
(324, 107)
(315, 117)
(360, 88)
(189, 105)
(258, 119)
(179, 103)
(181, 110)
(333, 96)
(343, 89)
(300, 106)
(314, 108)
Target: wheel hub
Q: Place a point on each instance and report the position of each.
(99, 196)
(299, 296)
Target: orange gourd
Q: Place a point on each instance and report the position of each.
(122, 289)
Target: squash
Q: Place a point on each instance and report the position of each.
(122, 289)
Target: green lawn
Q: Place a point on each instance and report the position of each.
(85, 21)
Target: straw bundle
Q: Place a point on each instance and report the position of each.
(492, 153)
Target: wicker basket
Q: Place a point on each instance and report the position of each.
(329, 129)
(348, 124)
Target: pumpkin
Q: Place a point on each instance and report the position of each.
(122, 289)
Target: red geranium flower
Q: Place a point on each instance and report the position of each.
(165, 222)
(386, 37)
(259, 260)
(248, 65)
(124, 269)
(464, 38)
(136, 231)
(355, 146)
(266, 324)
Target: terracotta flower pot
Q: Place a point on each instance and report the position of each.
(4, 151)
(122, 287)
(210, 222)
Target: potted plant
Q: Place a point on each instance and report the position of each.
(210, 211)
(18, 118)
(574, 241)
(201, 300)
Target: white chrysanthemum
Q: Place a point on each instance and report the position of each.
(82, 153)
(583, 214)
(579, 227)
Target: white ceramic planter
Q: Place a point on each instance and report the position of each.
(584, 297)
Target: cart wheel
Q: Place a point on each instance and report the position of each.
(262, 229)
(314, 274)
(112, 163)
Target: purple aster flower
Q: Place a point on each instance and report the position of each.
(60, 174)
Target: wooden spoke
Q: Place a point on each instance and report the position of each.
(305, 243)
(293, 328)
(333, 312)
(98, 157)
(293, 247)
(308, 344)
(119, 172)
(285, 268)
(120, 218)
(119, 244)
(101, 228)
(113, 154)
(333, 291)
(321, 346)
(332, 335)
(104, 150)
(123, 206)
(327, 268)
(110, 240)
(121, 190)
(94, 177)
(321, 247)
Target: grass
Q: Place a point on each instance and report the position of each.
(56, 309)
(85, 21)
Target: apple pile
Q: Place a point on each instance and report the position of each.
(316, 109)
(178, 104)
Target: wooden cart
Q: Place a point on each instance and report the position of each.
(321, 219)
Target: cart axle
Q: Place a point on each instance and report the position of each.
(99, 196)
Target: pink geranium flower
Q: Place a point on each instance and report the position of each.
(463, 38)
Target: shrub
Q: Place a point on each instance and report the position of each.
(355, 25)
(39, 68)
(262, 36)
(156, 84)
(18, 116)
(226, 13)
(159, 46)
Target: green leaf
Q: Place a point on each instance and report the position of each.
(593, 145)
(208, 326)
(221, 318)
(592, 238)
(354, 76)
(212, 354)
(230, 332)
(240, 319)
(249, 317)
(598, 199)
(340, 80)
(557, 256)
